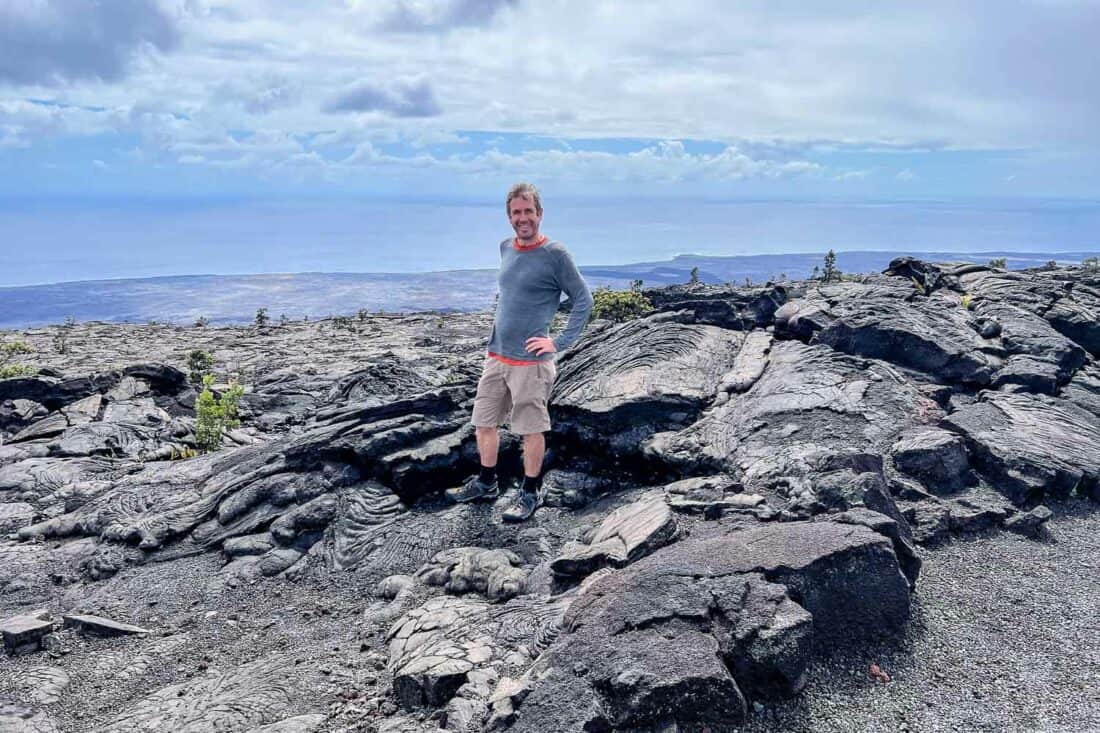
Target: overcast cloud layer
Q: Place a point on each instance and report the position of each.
(771, 98)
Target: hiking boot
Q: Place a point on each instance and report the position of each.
(472, 489)
(523, 507)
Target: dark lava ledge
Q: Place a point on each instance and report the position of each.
(737, 484)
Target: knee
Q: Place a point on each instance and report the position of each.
(486, 431)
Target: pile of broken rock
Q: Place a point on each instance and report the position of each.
(737, 482)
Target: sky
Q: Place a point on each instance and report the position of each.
(123, 101)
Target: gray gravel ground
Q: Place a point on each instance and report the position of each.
(1005, 637)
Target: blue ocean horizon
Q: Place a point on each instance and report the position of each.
(56, 241)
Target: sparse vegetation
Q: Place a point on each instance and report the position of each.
(343, 322)
(1050, 265)
(830, 271)
(636, 286)
(214, 415)
(1091, 263)
(816, 273)
(61, 338)
(12, 350)
(999, 263)
(362, 314)
(182, 454)
(967, 301)
(694, 276)
(261, 318)
(199, 364)
(748, 281)
(619, 305)
(202, 322)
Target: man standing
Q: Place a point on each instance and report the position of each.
(519, 370)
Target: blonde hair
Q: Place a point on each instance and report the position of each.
(526, 190)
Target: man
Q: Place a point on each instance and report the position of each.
(519, 370)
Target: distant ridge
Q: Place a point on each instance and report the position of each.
(235, 298)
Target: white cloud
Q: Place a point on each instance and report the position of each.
(772, 81)
(905, 175)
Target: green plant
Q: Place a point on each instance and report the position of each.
(918, 285)
(967, 301)
(261, 318)
(12, 350)
(214, 415)
(362, 314)
(199, 364)
(619, 305)
(636, 285)
(1091, 263)
(830, 272)
(999, 263)
(816, 273)
(283, 320)
(343, 322)
(202, 322)
(694, 276)
(1050, 265)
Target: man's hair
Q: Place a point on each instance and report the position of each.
(526, 190)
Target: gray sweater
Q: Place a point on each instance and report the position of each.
(531, 283)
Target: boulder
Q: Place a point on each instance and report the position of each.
(628, 533)
(935, 456)
(496, 574)
(1031, 446)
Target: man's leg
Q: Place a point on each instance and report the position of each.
(534, 448)
(491, 403)
(488, 445)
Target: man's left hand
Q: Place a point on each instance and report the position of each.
(540, 345)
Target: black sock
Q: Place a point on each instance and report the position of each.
(488, 474)
(532, 484)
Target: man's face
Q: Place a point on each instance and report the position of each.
(524, 217)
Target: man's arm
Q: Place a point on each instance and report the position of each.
(570, 280)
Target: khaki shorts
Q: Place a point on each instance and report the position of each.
(523, 391)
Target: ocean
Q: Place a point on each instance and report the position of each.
(77, 240)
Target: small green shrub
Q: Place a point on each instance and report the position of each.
(214, 415)
(830, 271)
(999, 263)
(1091, 263)
(261, 318)
(199, 364)
(202, 322)
(619, 305)
(10, 351)
(967, 301)
(694, 276)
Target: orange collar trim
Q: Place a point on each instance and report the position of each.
(517, 245)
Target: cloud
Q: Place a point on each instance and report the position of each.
(906, 175)
(664, 162)
(434, 15)
(50, 42)
(411, 98)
